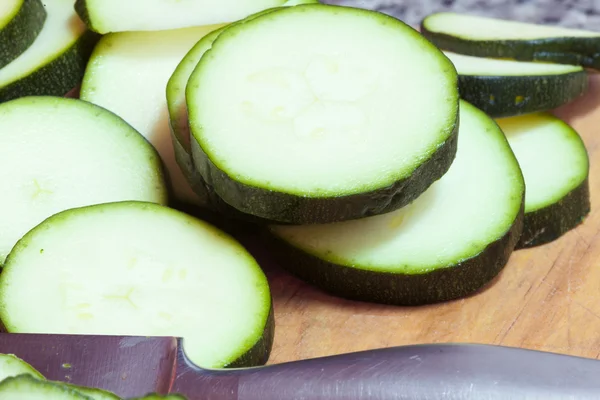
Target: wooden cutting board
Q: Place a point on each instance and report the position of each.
(547, 298)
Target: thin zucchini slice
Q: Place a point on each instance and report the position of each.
(141, 269)
(20, 23)
(11, 365)
(492, 37)
(127, 74)
(93, 393)
(447, 244)
(58, 153)
(311, 114)
(556, 166)
(104, 16)
(55, 62)
(505, 88)
(25, 387)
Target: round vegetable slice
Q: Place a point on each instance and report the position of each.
(491, 37)
(58, 153)
(11, 365)
(127, 75)
(20, 23)
(311, 114)
(555, 164)
(106, 16)
(55, 62)
(447, 244)
(140, 269)
(505, 88)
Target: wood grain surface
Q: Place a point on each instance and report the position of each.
(547, 298)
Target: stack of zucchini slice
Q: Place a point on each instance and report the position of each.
(381, 164)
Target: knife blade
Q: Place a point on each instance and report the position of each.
(134, 366)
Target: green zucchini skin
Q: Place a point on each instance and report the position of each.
(57, 77)
(438, 286)
(550, 223)
(278, 207)
(82, 11)
(259, 353)
(582, 51)
(506, 96)
(21, 31)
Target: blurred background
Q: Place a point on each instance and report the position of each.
(570, 13)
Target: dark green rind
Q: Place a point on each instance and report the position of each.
(261, 351)
(55, 388)
(82, 11)
(57, 77)
(21, 31)
(584, 51)
(550, 223)
(440, 285)
(278, 207)
(498, 96)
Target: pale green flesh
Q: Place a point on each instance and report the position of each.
(473, 205)
(94, 394)
(178, 81)
(137, 269)
(69, 154)
(61, 30)
(334, 111)
(128, 73)
(153, 15)
(27, 388)
(11, 365)
(8, 10)
(472, 27)
(480, 66)
(552, 156)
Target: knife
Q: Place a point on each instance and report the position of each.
(135, 366)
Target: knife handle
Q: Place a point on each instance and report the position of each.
(444, 371)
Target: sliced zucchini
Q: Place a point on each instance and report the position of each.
(505, 88)
(311, 114)
(447, 244)
(491, 37)
(26, 387)
(127, 74)
(94, 393)
(140, 269)
(11, 365)
(556, 166)
(104, 16)
(20, 23)
(55, 62)
(58, 153)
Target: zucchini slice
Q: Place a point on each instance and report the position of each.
(491, 37)
(141, 269)
(447, 244)
(58, 153)
(311, 114)
(505, 88)
(20, 23)
(556, 166)
(25, 387)
(127, 74)
(11, 365)
(104, 16)
(55, 62)
(93, 393)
